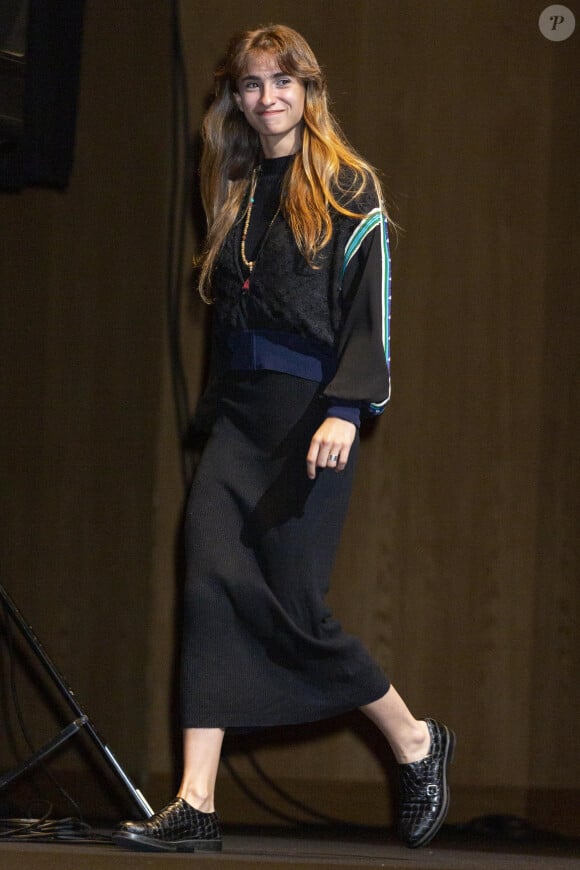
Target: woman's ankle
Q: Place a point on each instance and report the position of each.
(415, 745)
(202, 802)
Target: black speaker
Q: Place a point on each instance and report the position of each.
(40, 53)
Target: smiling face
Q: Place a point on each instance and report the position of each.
(273, 104)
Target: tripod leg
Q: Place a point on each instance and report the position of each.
(44, 752)
(68, 695)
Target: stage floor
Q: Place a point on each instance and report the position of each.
(280, 849)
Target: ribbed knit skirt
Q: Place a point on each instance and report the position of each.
(260, 646)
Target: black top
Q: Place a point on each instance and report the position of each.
(338, 307)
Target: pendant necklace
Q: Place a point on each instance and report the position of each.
(249, 264)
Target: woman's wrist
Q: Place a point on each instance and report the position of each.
(344, 411)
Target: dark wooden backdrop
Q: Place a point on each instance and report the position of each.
(460, 560)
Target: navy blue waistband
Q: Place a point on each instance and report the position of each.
(253, 350)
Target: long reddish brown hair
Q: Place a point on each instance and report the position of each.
(232, 150)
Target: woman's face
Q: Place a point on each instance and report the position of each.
(273, 104)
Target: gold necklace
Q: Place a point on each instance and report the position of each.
(249, 264)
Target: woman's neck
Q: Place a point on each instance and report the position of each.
(282, 146)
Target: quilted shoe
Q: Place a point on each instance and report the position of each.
(423, 789)
(177, 828)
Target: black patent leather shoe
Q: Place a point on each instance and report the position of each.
(423, 789)
(177, 828)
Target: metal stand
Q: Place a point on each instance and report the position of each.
(81, 721)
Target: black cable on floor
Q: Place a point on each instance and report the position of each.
(293, 801)
(250, 793)
(45, 829)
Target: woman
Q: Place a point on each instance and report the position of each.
(296, 264)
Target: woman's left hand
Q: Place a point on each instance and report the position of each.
(330, 446)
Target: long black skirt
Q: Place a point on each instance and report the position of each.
(260, 645)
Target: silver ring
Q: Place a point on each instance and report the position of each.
(333, 458)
